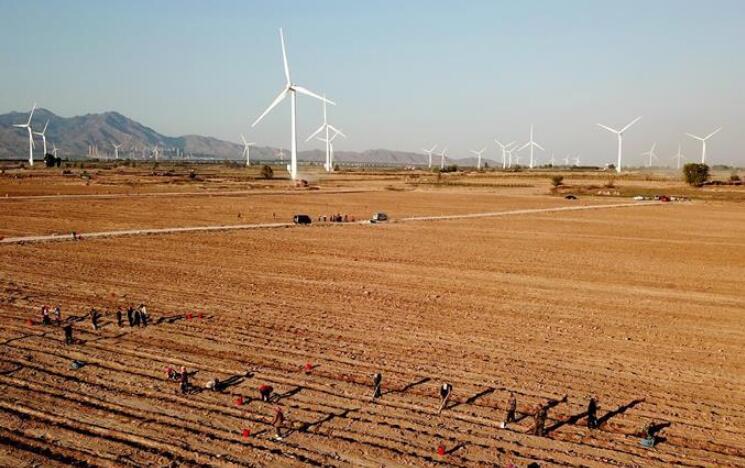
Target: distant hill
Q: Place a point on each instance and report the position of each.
(74, 135)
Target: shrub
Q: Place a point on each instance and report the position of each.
(696, 174)
(336, 168)
(611, 183)
(734, 177)
(557, 180)
(267, 172)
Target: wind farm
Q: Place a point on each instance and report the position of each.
(450, 263)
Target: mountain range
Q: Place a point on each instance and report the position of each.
(77, 136)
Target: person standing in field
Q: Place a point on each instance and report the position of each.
(377, 381)
(58, 315)
(184, 381)
(45, 320)
(143, 315)
(94, 318)
(119, 317)
(592, 414)
(131, 316)
(67, 329)
(510, 417)
(445, 391)
(540, 416)
(277, 422)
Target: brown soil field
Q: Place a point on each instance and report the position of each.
(641, 307)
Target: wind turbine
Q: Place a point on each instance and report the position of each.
(703, 141)
(442, 157)
(43, 135)
(247, 150)
(292, 90)
(504, 152)
(576, 160)
(620, 139)
(326, 126)
(553, 160)
(155, 152)
(330, 143)
(510, 152)
(27, 126)
(532, 144)
(429, 154)
(479, 153)
(566, 161)
(651, 155)
(116, 150)
(679, 157)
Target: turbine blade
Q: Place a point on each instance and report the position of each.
(608, 128)
(524, 146)
(712, 133)
(284, 56)
(694, 136)
(539, 146)
(244, 139)
(33, 108)
(274, 103)
(310, 93)
(630, 124)
(320, 129)
(338, 132)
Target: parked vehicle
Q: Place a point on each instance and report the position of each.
(301, 219)
(379, 217)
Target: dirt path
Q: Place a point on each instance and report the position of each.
(176, 230)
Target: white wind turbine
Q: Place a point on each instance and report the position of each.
(155, 152)
(620, 139)
(703, 141)
(27, 126)
(247, 150)
(553, 160)
(566, 161)
(479, 153)
(429, 152)
(326, 127)
(679, 158)
(651, 155)
(442, 157)
(504, 152)
(116, 150)
(330, 143)
(532, 144)
(43, 135)
(576, 160)
(292, 90)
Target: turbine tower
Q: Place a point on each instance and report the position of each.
(479, 153)
(442, 157)
(620, 139)
(43, 135)
(292, 90)
(54, 150)
(247, 150)
(27, 126)
(429, 155)
(679, 157)
(116, 150)
(703, 141)
(532, 144)
(326, 127)
(504, 152)
(651, 155)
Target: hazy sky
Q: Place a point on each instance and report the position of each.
(404, 73)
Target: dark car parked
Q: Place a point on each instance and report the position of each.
(301, 219)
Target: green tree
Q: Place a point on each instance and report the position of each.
(696, 174)
(267, 172)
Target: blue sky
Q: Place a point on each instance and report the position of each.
(404, 73)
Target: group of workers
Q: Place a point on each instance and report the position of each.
(136, 317)
(336, 218)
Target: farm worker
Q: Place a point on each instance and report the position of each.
(213, 385)
(143, 315)
(57, 315)
(279, 419)
(592, 413)
(94, 319)
(266, 392)
(377, 380)
(68, 334)
(119, 317)
(445, 391)
(136, 317)
(45, 315)
(130, 316)
(184, 380)
(511, 410)
(540, 416)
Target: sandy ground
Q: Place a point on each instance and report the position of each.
(641, 307)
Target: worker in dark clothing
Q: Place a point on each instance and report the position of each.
(266, 392)
(377, 381)
(130, 316)
(445, 391)
(278, 422)
(68, 333)
(510, 417)
(58, 315)
(119, 317)
(136, 318)
(540, 416)
(94, 319)
(184, 380)
(45, 315)
(592, 414)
